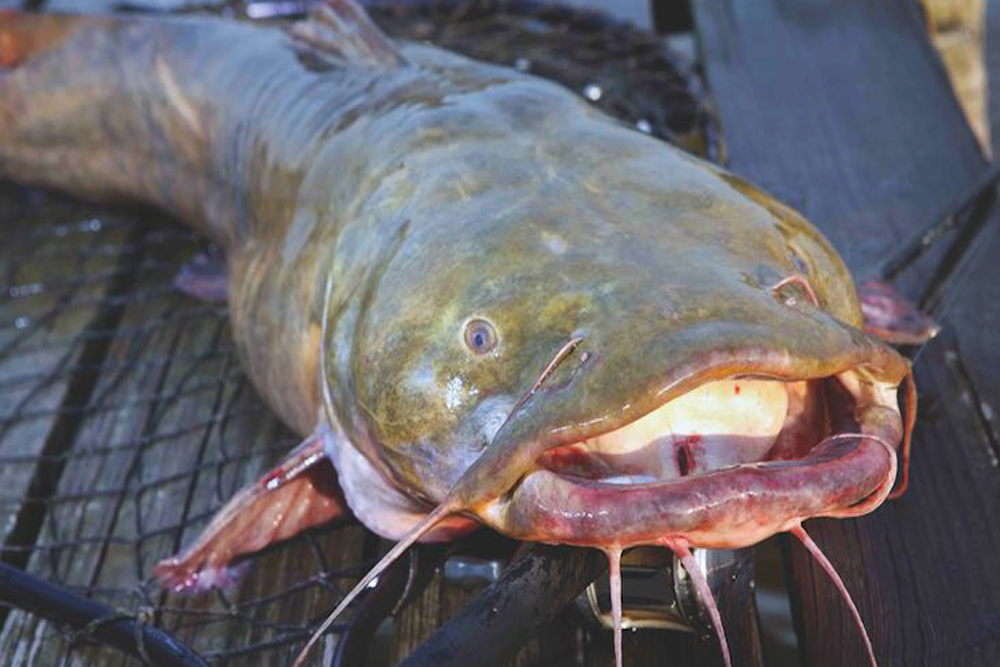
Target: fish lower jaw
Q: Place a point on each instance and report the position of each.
(736, 492)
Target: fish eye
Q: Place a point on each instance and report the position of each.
(480, 336)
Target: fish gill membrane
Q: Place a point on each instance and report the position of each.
(689, 352)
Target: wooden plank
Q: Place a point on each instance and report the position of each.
(171, 430)
(52, 333)
(991, 57)
(843, 110)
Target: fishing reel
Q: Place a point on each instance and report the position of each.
(522, 587)
(657, 592)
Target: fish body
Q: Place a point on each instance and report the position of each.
(487, 301)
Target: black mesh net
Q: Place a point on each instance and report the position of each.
(125, 420)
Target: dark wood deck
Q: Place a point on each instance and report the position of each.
(843, 110)
(123, 399)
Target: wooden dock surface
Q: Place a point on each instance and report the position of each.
(843, 110)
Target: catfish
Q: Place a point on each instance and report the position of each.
(478, 299)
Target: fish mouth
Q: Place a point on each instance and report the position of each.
(724, 465)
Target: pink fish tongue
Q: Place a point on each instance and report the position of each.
(615, 583)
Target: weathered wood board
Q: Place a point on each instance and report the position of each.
(168, 431)
(843, 110)
(51, 332)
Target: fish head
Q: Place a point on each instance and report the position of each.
(619, 358)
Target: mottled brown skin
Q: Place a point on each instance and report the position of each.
(433, 190)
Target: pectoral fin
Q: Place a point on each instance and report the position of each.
(300, 493)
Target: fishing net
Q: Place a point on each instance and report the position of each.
(126, 421)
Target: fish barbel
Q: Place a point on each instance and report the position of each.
(481, 299)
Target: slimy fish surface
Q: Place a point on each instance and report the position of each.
(481, 300)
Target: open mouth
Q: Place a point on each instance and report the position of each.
(724, 465)
(717, 425)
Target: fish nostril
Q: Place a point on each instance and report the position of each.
(586, 358)
(783, 290)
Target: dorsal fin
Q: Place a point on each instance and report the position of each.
(339, 31)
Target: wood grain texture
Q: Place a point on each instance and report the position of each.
(991, 59)
(167, 432)
(47, 348)
(843, 110)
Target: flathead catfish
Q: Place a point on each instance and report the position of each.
(480, 299)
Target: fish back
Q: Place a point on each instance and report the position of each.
(195, 115)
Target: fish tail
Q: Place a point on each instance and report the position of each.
(101, 107)
(44, 96)
(30, 68)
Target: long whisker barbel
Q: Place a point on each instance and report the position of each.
(561, 355)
